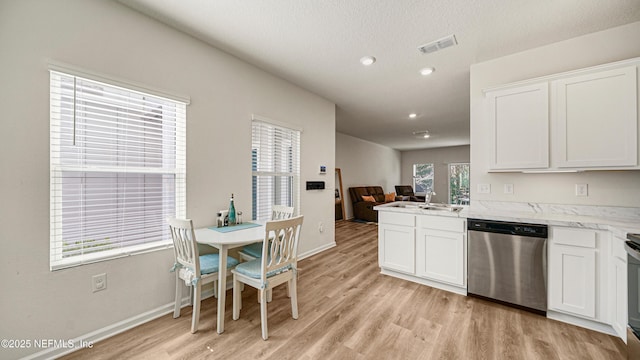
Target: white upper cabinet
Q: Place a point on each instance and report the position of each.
(519, 127)
(595, 119)
(588, 118)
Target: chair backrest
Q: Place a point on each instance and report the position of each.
(404, 190)
(280, 244)
(185, 246)
(280, 212)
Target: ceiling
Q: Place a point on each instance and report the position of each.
(317, 44)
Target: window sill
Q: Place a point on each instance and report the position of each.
(74, 261)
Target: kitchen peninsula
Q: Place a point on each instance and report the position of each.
(424, 243)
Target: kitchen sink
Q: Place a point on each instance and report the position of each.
(441, 207)
(429, 206)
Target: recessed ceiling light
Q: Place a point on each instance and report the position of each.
(413, 115)
(427, 71)
(367, 60)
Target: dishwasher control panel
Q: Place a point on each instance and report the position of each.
(504, 227)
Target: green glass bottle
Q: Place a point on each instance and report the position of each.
(232, 212)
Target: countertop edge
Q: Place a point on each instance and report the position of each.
(617, 227)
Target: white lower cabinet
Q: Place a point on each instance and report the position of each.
(440, 253)
(578, 273)
(396, 242)
(426, 249)
(618, 287)
(397, 247)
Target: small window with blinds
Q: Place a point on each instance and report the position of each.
(118, 167)
(275, 164)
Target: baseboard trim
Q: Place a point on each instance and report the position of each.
(584, 323)
(434, 284)
(316, 251)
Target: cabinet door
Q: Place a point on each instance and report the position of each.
(440, 256)
(396, 248)
(572, 280)
(519, 119)
(618, 296)
(595, 119)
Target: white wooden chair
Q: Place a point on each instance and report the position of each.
(191, 267)
(254, 251)
(276, 266)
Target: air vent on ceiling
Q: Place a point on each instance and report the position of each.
(440, 44)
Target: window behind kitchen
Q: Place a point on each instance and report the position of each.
(117, 169)
(275, 164)
(459, 183)
(422, 178)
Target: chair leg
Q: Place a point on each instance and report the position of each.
(269, 295)
(293, 285)
(215, 289)
(178, 305)
(263, 313)
(237, 298)
(197, 289)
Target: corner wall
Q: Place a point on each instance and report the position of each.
(610, 188)
(364, 163)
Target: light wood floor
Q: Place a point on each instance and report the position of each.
(348, 310)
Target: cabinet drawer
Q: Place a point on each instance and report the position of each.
(574, 237)
(392, 218)
(441, 223)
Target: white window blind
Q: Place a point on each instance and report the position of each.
(275, 167)
(118, 168)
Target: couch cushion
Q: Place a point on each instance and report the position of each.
(390, 197)
(368, 198)
(378, 197)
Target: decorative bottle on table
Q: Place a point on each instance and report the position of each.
(232, 212)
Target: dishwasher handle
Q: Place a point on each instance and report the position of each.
(510, 228)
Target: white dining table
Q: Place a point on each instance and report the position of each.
(223, 241)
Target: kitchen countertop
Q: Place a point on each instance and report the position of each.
(619, 222)
(412, 208)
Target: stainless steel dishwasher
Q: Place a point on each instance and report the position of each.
(507, 262)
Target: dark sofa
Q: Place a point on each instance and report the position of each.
(363, 210)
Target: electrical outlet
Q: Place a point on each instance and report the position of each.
(99, 282)
(484, 188)
(508, 188)
(582, 190)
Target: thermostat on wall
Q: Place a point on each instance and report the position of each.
(315, 185)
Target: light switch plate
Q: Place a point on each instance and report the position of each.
(508, 188)
(484, 188)
(582, 190)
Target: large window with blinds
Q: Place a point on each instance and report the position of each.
(118, 167)
(275, 164)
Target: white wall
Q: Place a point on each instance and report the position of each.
(611, 188)
(441, 158)
(364, 163)
(108, 38)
